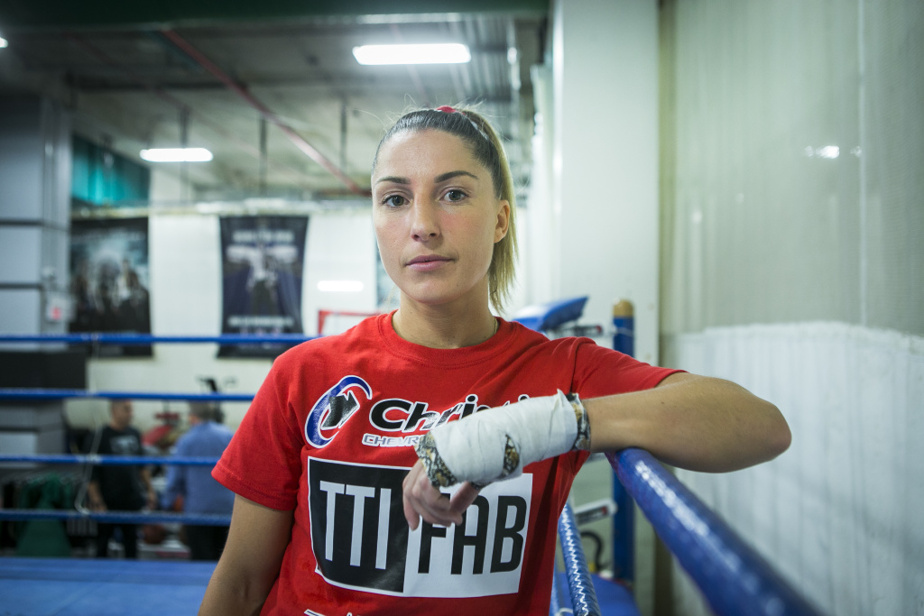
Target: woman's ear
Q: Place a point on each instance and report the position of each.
(503, 220)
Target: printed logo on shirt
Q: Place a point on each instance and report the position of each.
(334, 408)
(397, 420)
(124, 445)
(361, 540)
(403, 416)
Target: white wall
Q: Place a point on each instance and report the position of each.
(604, 176)
(839, 514)
(796, 270)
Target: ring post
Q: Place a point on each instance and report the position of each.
(624, 519)
(624, 327)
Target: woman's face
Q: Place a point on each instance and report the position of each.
(436, 217)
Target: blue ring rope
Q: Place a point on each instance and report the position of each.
(109, 460)
(15, 393)
(732, 576)
(583, 596)
(127, 339)
(114, 517)
(117, 517)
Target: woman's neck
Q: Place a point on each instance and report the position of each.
(442, 327)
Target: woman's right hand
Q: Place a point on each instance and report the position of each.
(423, 500)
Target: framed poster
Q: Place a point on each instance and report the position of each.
(109, 281)
(262, 263)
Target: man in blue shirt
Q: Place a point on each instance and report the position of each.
(201, 494)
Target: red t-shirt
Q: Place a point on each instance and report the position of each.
(330, 435)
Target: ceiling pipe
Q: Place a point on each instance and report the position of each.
(289, 132)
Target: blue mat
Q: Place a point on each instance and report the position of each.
(108, 587)
(613, 598)
(101, 587)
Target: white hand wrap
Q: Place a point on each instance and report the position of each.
(498, 442)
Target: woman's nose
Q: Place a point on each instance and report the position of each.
(424, 220)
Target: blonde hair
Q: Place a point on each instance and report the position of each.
(472, 128)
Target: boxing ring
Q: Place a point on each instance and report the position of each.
(734, 579)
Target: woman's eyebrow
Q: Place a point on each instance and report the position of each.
(393, 179)
(452, 174)
(440, 178)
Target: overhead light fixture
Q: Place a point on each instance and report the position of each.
(437, 53)
(176, 155)
(3, 42)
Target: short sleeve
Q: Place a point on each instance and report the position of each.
(600, 371)
(262, 462)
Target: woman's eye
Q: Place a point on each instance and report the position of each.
(394, 201)
(455, 195)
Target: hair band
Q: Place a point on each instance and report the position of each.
(446, 109)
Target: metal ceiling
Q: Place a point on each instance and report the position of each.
(271, 87)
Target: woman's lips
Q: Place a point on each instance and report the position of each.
(426, 263)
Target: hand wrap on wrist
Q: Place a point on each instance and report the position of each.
(498, 442)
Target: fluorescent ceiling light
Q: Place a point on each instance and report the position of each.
(176, 155)
(3, 42)
(440, 53)
(340, 286)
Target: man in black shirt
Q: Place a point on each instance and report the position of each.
(119, 488)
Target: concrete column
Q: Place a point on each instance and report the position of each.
(605, 167)
(35, 186)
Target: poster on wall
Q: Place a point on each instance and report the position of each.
(109, 281)
(262, 262)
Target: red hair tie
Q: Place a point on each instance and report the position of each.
(446, 109)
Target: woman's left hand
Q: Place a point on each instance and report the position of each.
(421, 499)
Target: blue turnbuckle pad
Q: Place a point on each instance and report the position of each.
(551, 315)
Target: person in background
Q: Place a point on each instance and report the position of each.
(119, 487)
(194, 484)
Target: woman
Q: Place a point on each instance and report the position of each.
(329, 520)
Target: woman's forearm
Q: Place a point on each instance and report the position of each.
(249, 564)
(233, 596)
(693, 422)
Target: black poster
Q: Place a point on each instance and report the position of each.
(262, 261)
(109, 280)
